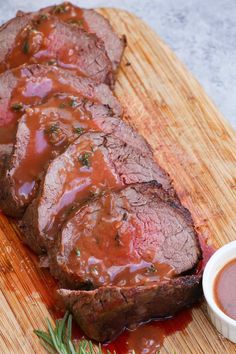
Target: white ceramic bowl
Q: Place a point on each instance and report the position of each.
(223, 323)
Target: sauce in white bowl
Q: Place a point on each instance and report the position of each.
(215, 276)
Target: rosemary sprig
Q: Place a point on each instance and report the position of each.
(58, 340)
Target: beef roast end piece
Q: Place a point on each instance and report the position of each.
(105, 312)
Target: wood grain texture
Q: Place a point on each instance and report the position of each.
(191, 140)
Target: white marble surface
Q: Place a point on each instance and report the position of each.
(201, 32)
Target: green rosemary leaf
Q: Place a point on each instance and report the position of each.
(69, 331)
(59, 339)
(100, 349)
(71, 348)
(61, 327)
(91, 346)
(46, 346)
(53, 336)
(44, 336)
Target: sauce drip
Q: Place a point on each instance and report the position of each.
(125, 263)
(47, 130)
(225, 290)
(148, 338)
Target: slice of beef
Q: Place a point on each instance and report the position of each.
(93, 22)
(132, 237)
(44, 39)
(26, 86)
(105, 312)
(45, 131)
(93, 163)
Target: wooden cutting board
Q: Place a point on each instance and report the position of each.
(191, 140)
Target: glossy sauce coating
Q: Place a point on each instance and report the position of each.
(48, 129)
(106, 247)
(38, 43)
(225, 289)
(71, 14)
(86, 174)
(28, 92)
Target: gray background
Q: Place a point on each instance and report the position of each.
(201, 32)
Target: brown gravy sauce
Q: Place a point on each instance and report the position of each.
(148, 338)
(89, 174)
(71, 14)
(50, 128)
(38, 43)
(28, 92)
(225, 289)
(124, 264)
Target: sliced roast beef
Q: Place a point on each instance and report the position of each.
(133, 237)
(105, 312)
(93, 163)
(93, 22)
(45, 131)
(25, 86)
(44, 39)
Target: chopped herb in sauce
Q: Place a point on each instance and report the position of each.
(94, 194)
(43, 17)
(84, 159)
(53, 128)
(39, 19)
(117, 239)
(151, 269)
(62, 105)
(78, 252)
(52, 62)
(25, 47)
(79, 130)
(76, 22)
(73, 103)
(17, 107)
(60, 9)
